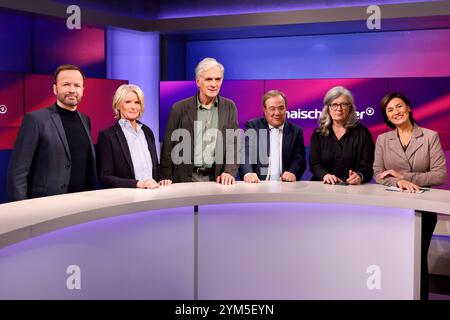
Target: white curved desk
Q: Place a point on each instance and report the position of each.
(245, 241)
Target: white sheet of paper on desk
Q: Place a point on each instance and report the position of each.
(400, 190)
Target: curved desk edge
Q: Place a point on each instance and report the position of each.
(29, 218)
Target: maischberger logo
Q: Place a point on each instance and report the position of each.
(304, 114)
(315, 113)
(3, 109)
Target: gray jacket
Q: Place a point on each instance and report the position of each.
(40, 162)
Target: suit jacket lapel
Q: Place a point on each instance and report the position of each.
(151, 148)
(415, 143)
(222, 115)
(60, 129)
(395, 145)
(287, 137)
(88, 134)
(124, 146)
(264, 146)
(191, 113)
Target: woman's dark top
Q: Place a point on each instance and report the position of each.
(354, 151)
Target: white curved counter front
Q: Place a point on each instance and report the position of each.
(245, 241)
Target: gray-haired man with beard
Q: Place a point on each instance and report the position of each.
(53, 153)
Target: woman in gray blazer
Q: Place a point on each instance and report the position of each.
(409, 157)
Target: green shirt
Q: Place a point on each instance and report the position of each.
(205, 132)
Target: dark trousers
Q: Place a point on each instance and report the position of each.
(429, 220)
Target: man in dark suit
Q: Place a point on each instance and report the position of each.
(53, 153)
(202, 135)
(274, 147)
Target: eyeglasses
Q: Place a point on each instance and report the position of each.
(343, 105)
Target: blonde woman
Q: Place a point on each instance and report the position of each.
(126, 151)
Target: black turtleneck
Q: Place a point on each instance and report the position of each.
(79, 150)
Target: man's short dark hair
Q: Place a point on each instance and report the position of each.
(67, 67)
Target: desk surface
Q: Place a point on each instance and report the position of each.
(28, 218)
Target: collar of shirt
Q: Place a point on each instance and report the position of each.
(280, 149)
(126, 125)
(200, 106)
(280, 127)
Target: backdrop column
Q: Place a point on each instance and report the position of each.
(134, 56)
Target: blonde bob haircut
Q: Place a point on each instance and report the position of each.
(120, 94)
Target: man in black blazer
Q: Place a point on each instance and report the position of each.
(202, 135)
(274, 147)
(53, 153)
